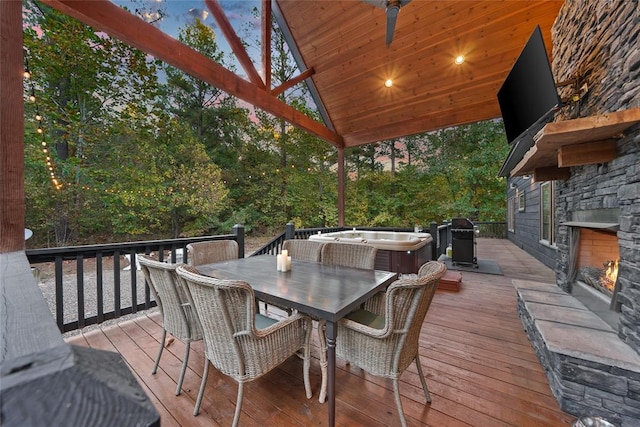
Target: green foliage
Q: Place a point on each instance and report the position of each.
(138, 158)
(468, 159)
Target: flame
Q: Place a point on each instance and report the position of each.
(611, 273)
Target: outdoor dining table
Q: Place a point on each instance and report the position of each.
(326, 292)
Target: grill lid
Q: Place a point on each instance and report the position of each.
(462, 223)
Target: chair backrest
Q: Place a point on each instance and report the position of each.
(302, 249)
(171, 295)
(407, 303)
(430, 267)
(226, 311)
(349, 255)
(212, 251)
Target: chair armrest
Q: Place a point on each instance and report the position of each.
(282, 324)
(376, 304)
(364, 329)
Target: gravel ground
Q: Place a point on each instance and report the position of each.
(46, 273)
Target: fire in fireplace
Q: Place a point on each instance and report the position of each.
(602, 279)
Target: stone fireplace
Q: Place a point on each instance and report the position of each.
(594, 368)
(594, 254)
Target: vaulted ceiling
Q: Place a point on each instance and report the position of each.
(341, 50)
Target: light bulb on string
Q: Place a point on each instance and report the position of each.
(26, 74)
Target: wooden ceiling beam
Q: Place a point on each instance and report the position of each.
(105, 16)
(234, 42)
(265, 36)
(292, 82)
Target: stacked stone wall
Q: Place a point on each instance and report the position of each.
(598, 42)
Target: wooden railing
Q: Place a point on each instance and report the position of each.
(126, 287)
(274, 246)
(108, 291)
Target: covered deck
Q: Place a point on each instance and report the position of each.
(480, 367)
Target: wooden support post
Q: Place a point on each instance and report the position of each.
(341, 187)
(12, 207)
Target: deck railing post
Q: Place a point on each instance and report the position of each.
(238, 231)
(289, 231)
(435, 245)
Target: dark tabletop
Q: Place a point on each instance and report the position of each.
(327, 292)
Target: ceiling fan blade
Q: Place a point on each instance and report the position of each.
(392, 15)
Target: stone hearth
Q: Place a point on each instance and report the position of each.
(590, 370)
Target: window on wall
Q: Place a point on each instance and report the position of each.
(546, 213)
(521, 201)
(511, 214)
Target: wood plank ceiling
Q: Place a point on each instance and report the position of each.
(344, 43)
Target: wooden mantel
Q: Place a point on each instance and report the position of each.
(576, 142)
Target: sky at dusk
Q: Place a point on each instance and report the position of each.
(177, 14)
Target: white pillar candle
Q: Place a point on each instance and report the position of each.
(285, 253)
(288, 263)
(279, 262)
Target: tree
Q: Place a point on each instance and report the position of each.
(171, 186)
(467, 160)
(80, 80)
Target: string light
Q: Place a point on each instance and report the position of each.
(39, 129)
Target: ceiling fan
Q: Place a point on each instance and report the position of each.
(392, 8)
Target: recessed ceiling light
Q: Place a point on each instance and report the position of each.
(388, 83)
(459, 59)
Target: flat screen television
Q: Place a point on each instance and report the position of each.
(529, 92)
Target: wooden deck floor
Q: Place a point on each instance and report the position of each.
(480, 368)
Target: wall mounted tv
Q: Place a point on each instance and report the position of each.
(528, 94)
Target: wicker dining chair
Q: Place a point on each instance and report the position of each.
(302, 249)
(385, 344)
(349, 255)
(346, 255)
(200, 253)
(239, 342)
(376, 303)
(178, 317)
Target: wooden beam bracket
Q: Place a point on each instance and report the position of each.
(587, 153)
(551, 173)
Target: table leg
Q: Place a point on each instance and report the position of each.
(332, 332)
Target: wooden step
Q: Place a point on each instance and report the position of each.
(450, 281)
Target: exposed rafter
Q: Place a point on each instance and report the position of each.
(234, 42)
(292, 82)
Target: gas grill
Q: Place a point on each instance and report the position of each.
(463, 243)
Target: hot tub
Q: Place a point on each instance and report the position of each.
(401, 252)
